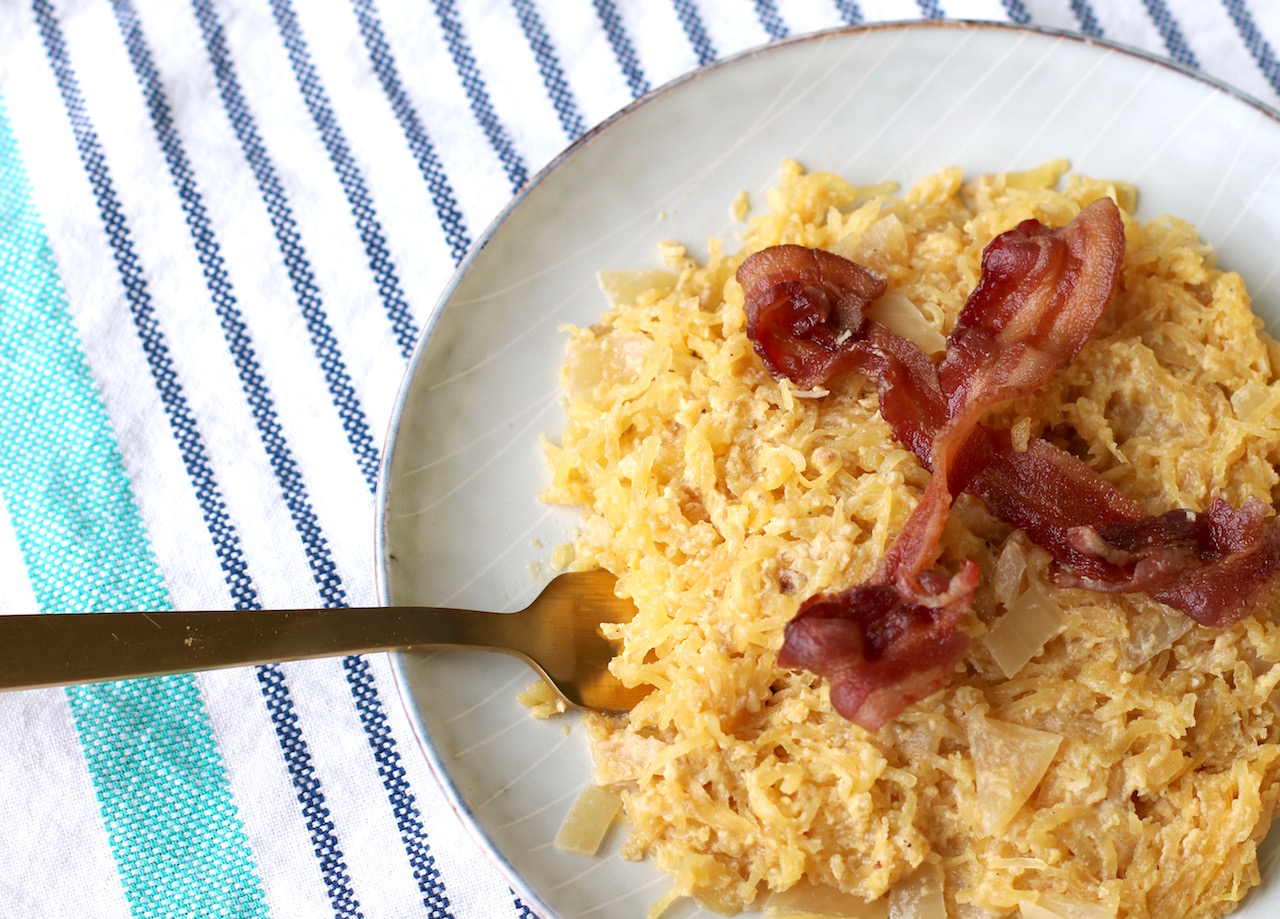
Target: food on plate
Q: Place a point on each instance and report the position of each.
(584, 827)
(1096, 752)
(893, 640)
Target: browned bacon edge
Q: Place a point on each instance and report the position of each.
(890, 642)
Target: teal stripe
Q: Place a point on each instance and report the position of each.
(177, 839)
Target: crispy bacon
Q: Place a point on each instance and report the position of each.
(880, 652)
(881, 648)
(894, 640)
(1040, 295)
(803, 307)
(1225, 589)
(1217, 566)
(1049, 494)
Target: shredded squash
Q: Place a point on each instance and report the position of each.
(1101, 752)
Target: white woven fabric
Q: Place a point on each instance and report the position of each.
(222, 227)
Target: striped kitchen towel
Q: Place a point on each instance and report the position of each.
(223, 226)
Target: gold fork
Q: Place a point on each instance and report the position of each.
(558, 635)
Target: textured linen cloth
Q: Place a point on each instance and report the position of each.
(222, 227)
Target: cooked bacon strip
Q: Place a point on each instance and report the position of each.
(879, 652)
(888, 643)
(911, 400)
(1049, 495)
(804, 308)
(1039, 298)
(1224, 591)
(1217, 566)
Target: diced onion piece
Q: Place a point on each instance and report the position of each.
(1046, 175)
(615, 358)
(1009, 761)
(1028, 623)
(584, 370)
(1153, 628)
(1029, 910)
(919, 896)
(588, 820)
(1074, 909)
(541, 700)
(663, 903)
(1011, 571)
(624, 287)
(882, 243)
(1253, 401)
(898, 314)
(819, 901)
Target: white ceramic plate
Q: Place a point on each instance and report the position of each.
(461, 523)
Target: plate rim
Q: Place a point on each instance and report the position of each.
(400, 660)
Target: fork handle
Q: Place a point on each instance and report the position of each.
(58, 650)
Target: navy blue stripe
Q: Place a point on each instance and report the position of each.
(849, 12)
(181, 420)
(478, 96)
(1169, 31)
(349, 175)
(1016, 11)
(191, 446)
(1258, 46)
(930, 9)
(771, 19)
(1085, 16)
(522, 911)
(549, 66)
(695, 31)
(621, 44)
(285, 228)
(297, 756)
(404, 808)
(369, 705)
(223, 298)
(302, 772)
(424, 153)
